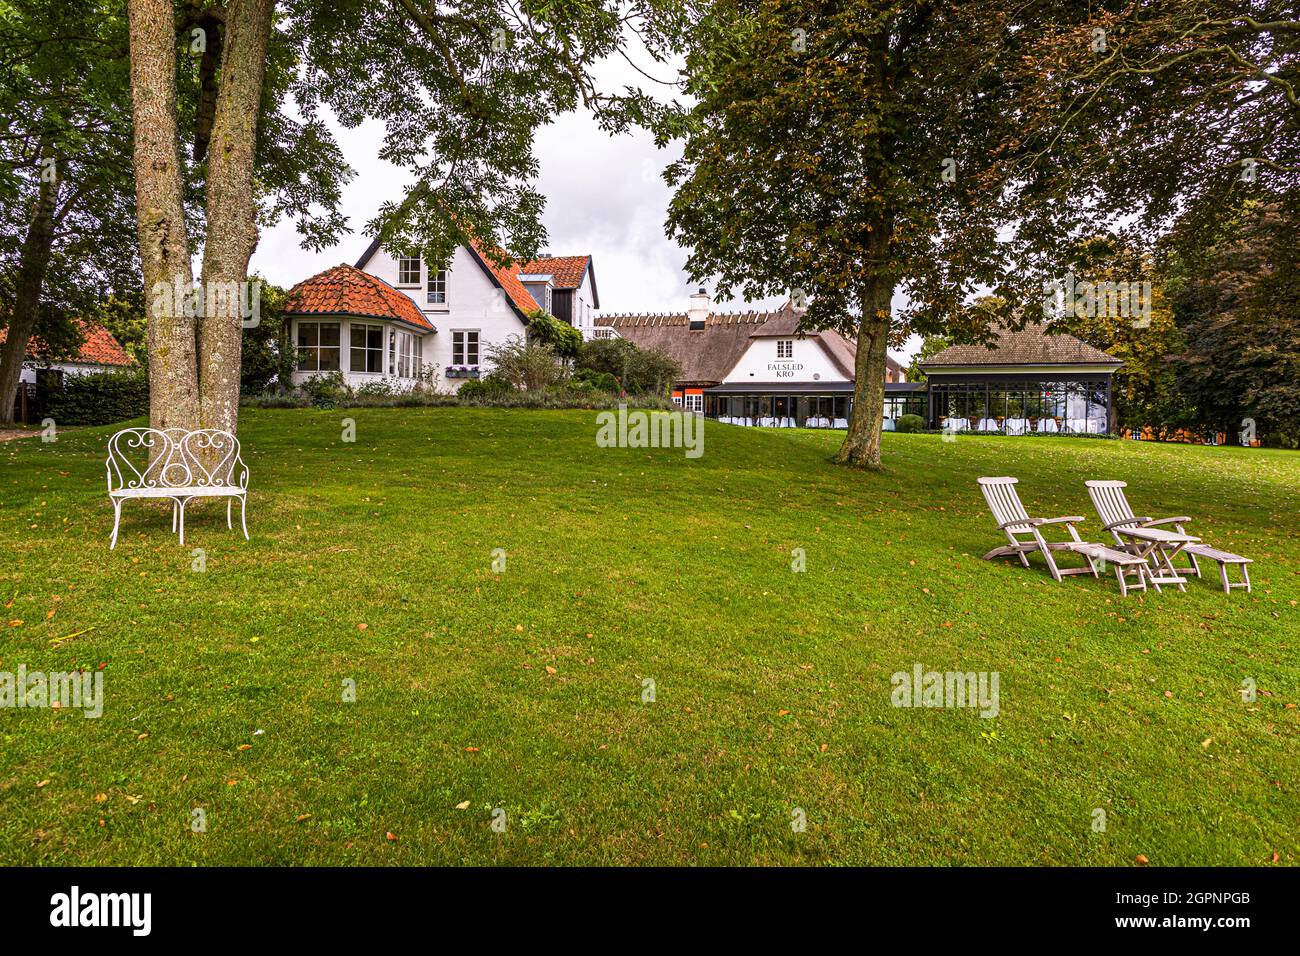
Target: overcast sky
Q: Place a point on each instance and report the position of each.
(605, 198)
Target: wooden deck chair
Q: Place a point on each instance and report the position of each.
(1004, 502)
(1115, 512)
(1014, 521)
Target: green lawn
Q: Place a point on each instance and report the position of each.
(522, 690)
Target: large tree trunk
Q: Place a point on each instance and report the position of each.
(861, 446)
(160, 215)
(232, 211)
(32, 264)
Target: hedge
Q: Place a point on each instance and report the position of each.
(100, 399)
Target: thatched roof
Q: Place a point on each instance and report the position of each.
(1032, 345)
(707, 355)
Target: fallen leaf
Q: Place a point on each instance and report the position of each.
(41, 783)
(550, 669)
(464, 805)
(301, 817)
(390, 836)
(1141, 859)
(362, 627)
(245, 746)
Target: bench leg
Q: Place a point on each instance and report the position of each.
(1223, 576)
(1119, 576)
(243, 514)
(1245, 576)
(173, 516)
(182, 520)
(229, 502)
(117, 520)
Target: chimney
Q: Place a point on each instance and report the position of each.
(699, 311)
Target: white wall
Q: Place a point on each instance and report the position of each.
(28, 372)
(582, 302)
(808, 364)
(473, 303)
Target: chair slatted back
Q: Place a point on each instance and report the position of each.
(1003, 501)
(1109, 500)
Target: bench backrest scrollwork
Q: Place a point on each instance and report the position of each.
(145, 458)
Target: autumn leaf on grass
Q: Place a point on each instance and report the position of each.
(463, 805)
(301, 817)
(390, 836)
(550, 669)
(245, 746)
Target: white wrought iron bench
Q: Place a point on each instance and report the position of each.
(173, 463)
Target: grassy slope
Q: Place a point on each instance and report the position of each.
(624, 565)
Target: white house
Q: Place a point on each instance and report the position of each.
(99, 352)
(403, 320)
(756, 368)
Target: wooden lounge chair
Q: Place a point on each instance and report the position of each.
(1117, 514)
(1012, 519)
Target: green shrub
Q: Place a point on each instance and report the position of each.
(600, 381)
(641, 371)
(326, 389)
(546, 329)
(483, 389)
(97, 399)
(529, 366)
(909, 423)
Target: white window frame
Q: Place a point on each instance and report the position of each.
(785, 348)
(439, 279)
(404, 271)
(367, 349)
(460, 346)
(316, 350)
(693, 403)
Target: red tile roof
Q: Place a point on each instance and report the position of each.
(346, 290)
(99, 347)
(507, 278)
(567, 270)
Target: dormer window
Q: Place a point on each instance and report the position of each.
(539, 287)
(785, 348)
(408, 270)
(436, 293)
